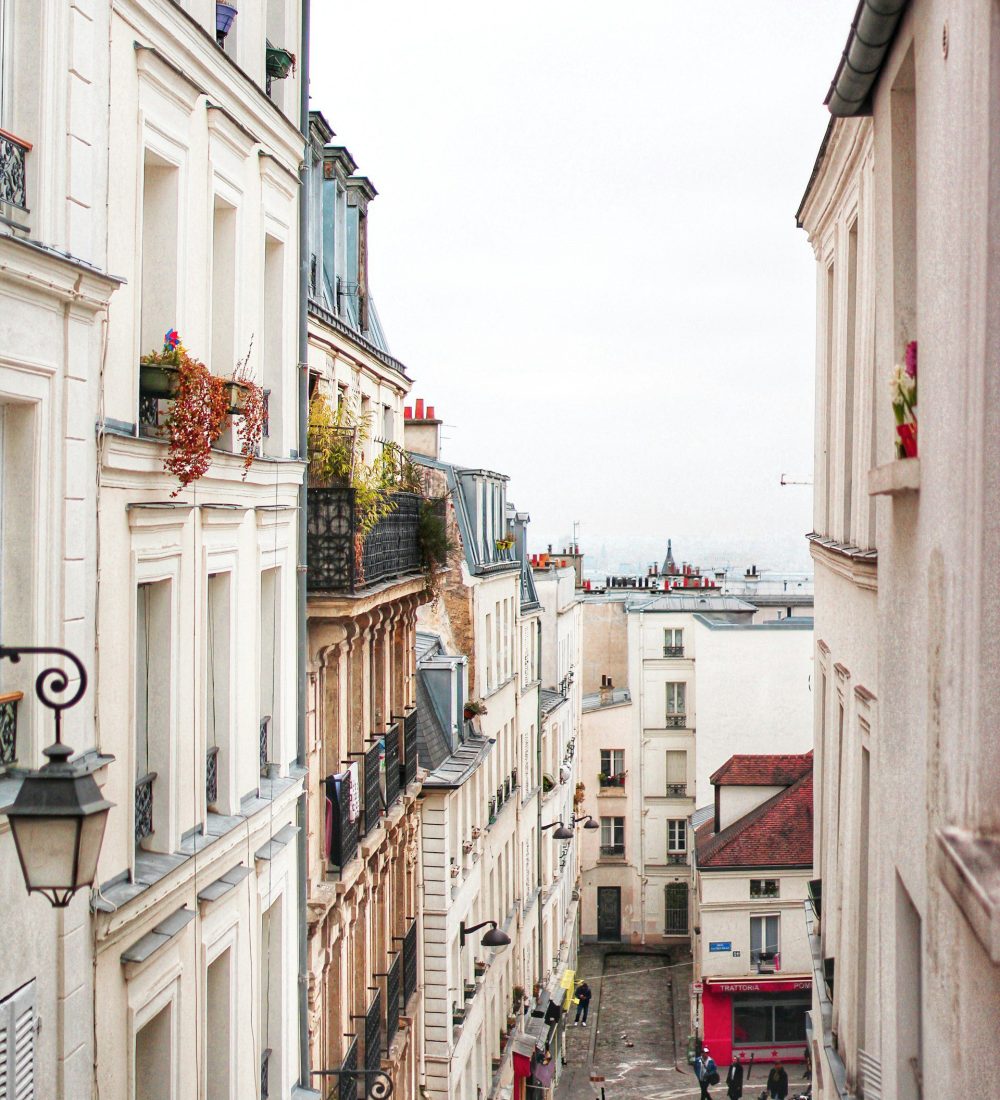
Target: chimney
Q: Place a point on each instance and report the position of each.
(422, 433)
(360, 192)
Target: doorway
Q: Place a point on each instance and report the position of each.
(609, 914)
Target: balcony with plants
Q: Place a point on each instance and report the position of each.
(369, 521)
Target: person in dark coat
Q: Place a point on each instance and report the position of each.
(734, 1079)
(777, 1082)
(706, 1072)
(583, 996)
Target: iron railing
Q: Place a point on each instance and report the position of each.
(372, 788)
(391, 549)
(676, 921)
(391, 765)
(393, 987)
(13, 183)
(677, 857)
(212, 775)
(373, 1034)
(612, 780)
(8, 726)
(265, 1061)
(144, 807)
(612, 849)
(409, 962)
(493, 811)
(677, 790)
(348, 1089)
(676, 721)
(410, 747)
(513, 778)
(673, 651)
(344, 833)
(265, 726)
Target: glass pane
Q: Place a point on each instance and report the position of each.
(790, 1022)
(752, 1023)
(755, 934)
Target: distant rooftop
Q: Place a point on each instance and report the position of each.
(616, 697)
(755, 770)
(550, 700)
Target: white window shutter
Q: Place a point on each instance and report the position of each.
(17, 1045)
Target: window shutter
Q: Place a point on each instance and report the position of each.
(17, 1045)
(676, 767)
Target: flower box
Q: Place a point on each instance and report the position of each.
(158, 380)
(279, 62)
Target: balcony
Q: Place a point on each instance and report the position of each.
(372, 788)
(339, 562)
(392, 766)
(13, 177)
(265, 727)
(393, 989)
(265, 1061)
(815, 890)
(409, 963)
(344, 833)
(612, 851)
(409, 764)
(8, 727)
(673, 651)
(677, 859)
(144, 807)
(676, 721)
(677, 790)
(373, 1033)
(212, 776)
(612, 781)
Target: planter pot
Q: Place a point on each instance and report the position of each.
(224, 16)
(279, 62)
(158, 380)
(907, 442)
(235, 396)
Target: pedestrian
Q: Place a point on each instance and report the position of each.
(583, 996)
(734, 1079)
(707, 1073)
(777, 1082)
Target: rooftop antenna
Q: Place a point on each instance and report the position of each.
(791, 481)
(576, 537)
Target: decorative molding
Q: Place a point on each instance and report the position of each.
(854, 564)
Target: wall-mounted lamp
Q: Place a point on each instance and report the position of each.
(589, 822)
(562, 832)
(493, 938)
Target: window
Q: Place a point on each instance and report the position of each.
(612, 836)
(218, 663)
(673, 643)
(676, 704)
(612, 762)
(489, 652)
(764, 940)
(224, 283)
(152, 716)
(781, 1018)
(6, 53)
(676, 773)
(764, 888)
(219, 1048)
(675, 909)
(270, 667)
(17, 1040)
(154, 1070)
(677, 836)
(158, 309)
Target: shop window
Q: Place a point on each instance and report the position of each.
(777, 1018)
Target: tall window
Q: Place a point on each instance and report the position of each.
(673, 643)
(272, 347)
(612, 762)
(764, 939)
(676, 773)
(158, 310)
(677, 837)
(154, 1056)
(676, 704)
(675, 909)
(152, 716)
(224, 284)
(5, 53)
(489, 652)
(219, 1048)
(270, 665)
(612, 836)
(272, 999)
(218, 661)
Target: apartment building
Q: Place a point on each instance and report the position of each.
(689, 676)
(197, 923)
(906, 809)
(752, 866)
(365, 583)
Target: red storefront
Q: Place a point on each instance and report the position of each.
(761, 1016)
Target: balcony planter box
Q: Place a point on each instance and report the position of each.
(235, 396)
(480, 968)
(279, 62)
(158, 380)
(224, 16)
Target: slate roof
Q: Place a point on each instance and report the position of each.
(777, 770)
(550, 700)
(433, 745)
(776, 834)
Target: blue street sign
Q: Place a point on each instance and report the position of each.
(721, 945)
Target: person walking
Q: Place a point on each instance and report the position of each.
(707, 1073)
(734, 1079)
(583, 995)
(777, 1082)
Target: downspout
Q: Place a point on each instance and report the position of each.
(541, 791)
(642, 788)
(301, 635)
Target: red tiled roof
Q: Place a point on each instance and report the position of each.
(779, 770)
(778, 833)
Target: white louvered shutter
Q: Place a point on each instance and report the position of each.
(17, 1044)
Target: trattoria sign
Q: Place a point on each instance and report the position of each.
(795, 986)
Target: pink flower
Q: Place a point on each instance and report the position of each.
(911, 359)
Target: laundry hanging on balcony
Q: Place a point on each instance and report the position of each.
(354, 795)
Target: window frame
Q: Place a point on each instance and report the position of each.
(677, 688)
(677, 832)
(762, 894)
(762, 921)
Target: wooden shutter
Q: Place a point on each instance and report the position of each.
(677, 767)
(17, 1045)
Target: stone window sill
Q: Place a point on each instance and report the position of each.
(969, 866)
(895, 478)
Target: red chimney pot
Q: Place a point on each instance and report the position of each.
(430, 412)
(420, 408)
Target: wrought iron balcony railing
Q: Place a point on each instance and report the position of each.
(344, 832)
(612, 849)
(392, 775)
(409, 963)
(144, 807)
(373, 1033)
(389, 551)
(265, 1062)
(372, 788)
(673, 651)
(676, 721)
(677, 790)
(676, 857)
(8, 726)
(393, 989)
(265, 727)
(13, 177)
(410, 747)
(212, 775)
(348, 1081)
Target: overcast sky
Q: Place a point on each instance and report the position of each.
(584, 246)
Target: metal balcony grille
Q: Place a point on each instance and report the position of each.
(393, 988)
(8, 726)
(13, 155)
(676, 721)
(673, 651)
(409, 963)
(212, 775)
(344, 833)
(144, 807)
(410, 746)
(493, 810)
(372, 788)
(677, 857)
(391, 549)
(391, 765)
(612, 849)
(513, 778)
(348, 1089)
(373, 1033)
(265, 726)
(265, 1060)
(677, 790)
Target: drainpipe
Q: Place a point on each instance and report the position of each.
(300, 577)
(642, 786)
(541, 791)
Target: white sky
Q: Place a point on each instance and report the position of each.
(584, 245)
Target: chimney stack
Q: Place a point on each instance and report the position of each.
(421, 431)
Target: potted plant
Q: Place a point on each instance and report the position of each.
(504, 544)
(474, 708)
(159, 370)
(536, 990)
(246, 400)
(279, 62)
(480, 967)
(547, 783)
(904, 402)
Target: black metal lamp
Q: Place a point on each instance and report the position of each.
(587, 819)
(493, 938)
(562, 832)
(58, 817)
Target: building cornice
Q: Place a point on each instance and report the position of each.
(360, 343)
(858, 566)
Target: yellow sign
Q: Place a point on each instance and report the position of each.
(569, 985)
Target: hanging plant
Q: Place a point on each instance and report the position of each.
(197, 412)
(248, 403)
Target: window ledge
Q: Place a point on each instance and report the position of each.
(969, 866)
(895, 478)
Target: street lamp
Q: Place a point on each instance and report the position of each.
(563, 832)
(590, 823)
(493, 938)
(58, 817)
